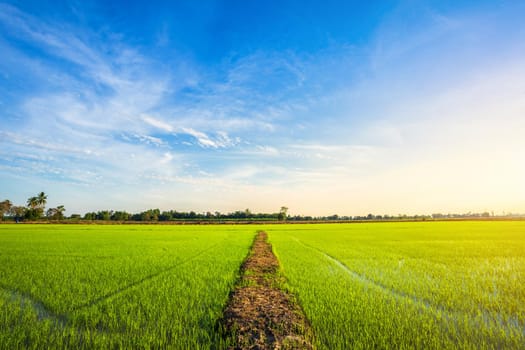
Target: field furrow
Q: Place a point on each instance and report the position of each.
(394, 286)
(141, 281)
(125, 287)
(443, 285)
(27, 302)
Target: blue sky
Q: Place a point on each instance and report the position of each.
(326, 107)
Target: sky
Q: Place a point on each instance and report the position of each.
(326, 107)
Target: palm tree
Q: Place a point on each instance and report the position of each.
(36, 206)
(32, 202)
(41, 199)
(60, 212)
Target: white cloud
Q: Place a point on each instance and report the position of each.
(267, 151)
(221, 140)
(272, 128)
(166, 158)
(158, 123)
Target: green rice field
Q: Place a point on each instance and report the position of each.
(409, 285)
(431, 285)
(116, 286)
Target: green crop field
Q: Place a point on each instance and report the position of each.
(408, 285)
(116, 286)
(375, 285)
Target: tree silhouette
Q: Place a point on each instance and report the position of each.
(32, 202)
(56, 213)
(36, 206)
(41, 200)
(5, 208)
(282, 214)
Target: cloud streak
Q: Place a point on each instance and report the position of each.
(349, 128)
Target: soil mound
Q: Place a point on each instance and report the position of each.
(259, 314)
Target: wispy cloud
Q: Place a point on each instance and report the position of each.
(220, 141)
(353, 126)
(158, 123)
(99, 126)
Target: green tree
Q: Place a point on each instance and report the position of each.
(18, 212)
(34, 211)
(120, 216)
(41, 200)
(150, 215)
(5, 208)
(104, 215)
(32, 202)
(90, 216)
(60, 212)
(51, 213)
(282, 214)
(36, 206)
(56, 213)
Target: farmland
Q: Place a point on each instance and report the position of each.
(371, 285)
(408, 285)
(116, 286)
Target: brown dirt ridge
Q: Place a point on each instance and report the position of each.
(259, 313)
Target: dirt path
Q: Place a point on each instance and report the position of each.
(259, 314)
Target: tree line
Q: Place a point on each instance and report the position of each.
(35, 210)
(174, 215)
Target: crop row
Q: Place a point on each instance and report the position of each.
(129, 286)
(382, 285)
(435, 285)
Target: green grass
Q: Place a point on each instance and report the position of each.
(376, 285)
(116, 286)
(408, 285)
